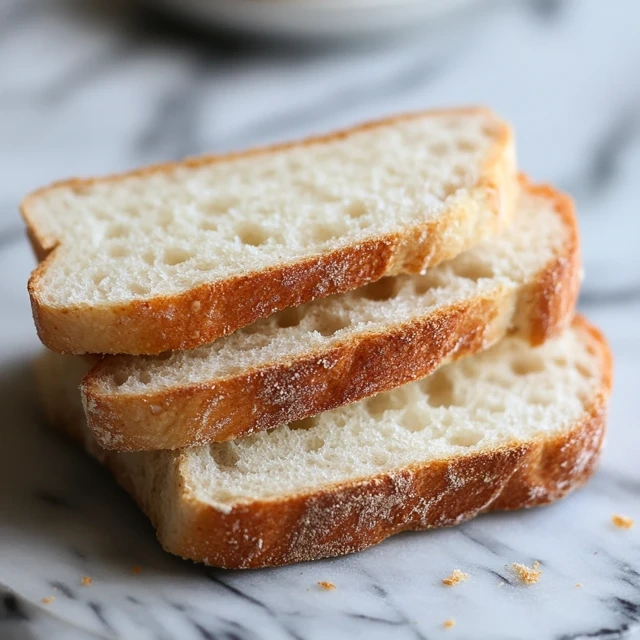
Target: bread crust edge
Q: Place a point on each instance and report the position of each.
(210, 310)
(355, 515)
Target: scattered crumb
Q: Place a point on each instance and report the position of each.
(455, 577)
(528, 575)
(622, 522)
(48, 600)
(501, 583)
(136, 569)
(578, 584)
(447, 624)
(86, 581)
(327, 586)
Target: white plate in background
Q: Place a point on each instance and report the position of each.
(311, 18)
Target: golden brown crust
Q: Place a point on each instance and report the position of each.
(350, 517)
(357, 515)
(275, 394)
(208, 311)
(550, 302)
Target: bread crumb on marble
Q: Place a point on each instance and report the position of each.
(86, 581)
(578, 584)
(48, 600)
(327, 586)
(447, 624)
(456, 577)
(622, 522)
(528, 575)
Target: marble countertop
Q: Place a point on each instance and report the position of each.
(88, 88)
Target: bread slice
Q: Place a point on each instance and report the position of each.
(511, 427)
(176, 255)
(337, 350)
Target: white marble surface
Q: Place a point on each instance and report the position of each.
(92, 87)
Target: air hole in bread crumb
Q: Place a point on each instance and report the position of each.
(324, 233)
(144, 377)
(221, 205)
(139, 289)
(412, 421)
(439, 149)
(472, 270)
(120, 377)
(439, 389)
(560, 361)
(224, 455)
(459, 172)
(117, 251)
(526, 364)
(356, 209)
(290, 317)
(204, 266)
(583, 370)
(208, 225)
(175, 256)
(384, 289)
(390, 400)
(99, 278)
(116, 231)
(149, 257)
(252, 235)
(165, 218)
(424, 283)
(465, 438)
(496, 406)
(540, 399)
(313, 443)
(467, 145)
(329, 324)
(305, 423)
(489, 130)
(448, 189)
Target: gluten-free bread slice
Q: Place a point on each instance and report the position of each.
(176, 255)
(511, 427)
(337, 350)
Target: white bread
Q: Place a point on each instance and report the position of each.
(337, 350)
(511, 427)
(174, 256)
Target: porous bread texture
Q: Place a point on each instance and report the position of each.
(512, 427)
(340, 349)
(538, 233)
(163, 258)
(508, 394)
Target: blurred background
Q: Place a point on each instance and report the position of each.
(89, 87)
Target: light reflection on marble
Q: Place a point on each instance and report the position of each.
(117, 90)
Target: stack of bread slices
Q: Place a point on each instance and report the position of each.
(295, 352)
